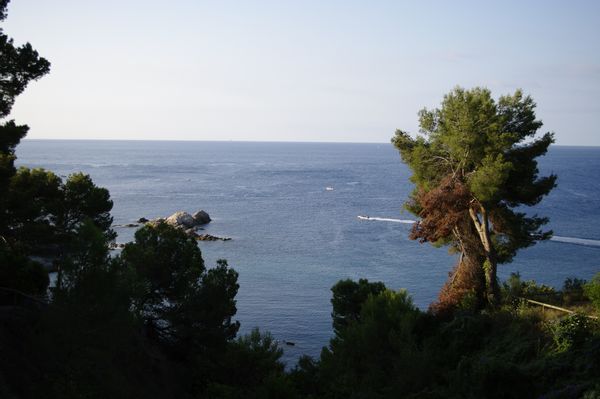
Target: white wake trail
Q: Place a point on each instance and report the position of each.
(405, 221)
(575, 240)
(567, 240)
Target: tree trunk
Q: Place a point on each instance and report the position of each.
(466, 279)
(490, 265)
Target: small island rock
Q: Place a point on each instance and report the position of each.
(201, 217)
(208, 237)
(189, 224)
(181, 219)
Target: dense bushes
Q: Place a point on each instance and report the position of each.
(391, 349)
(153, 322)
(126, 327)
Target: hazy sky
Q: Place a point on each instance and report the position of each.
(299, 71)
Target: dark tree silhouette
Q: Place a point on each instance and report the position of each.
(18, 67)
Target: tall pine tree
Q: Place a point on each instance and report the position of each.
(474, 163)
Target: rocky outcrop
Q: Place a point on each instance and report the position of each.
(190, 224)
(208, 237)
(126, 225)
(181, 220)
(156, 221)
(201, 217)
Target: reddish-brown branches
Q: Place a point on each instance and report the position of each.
(445, 217)
(441, 210)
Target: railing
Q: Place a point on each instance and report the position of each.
(547, 305)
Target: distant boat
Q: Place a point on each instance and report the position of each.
(363, 217)
(328, 188)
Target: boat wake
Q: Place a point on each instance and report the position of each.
(574, 240)
(567, 240)
(377, 219)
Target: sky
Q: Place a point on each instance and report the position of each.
(347, 71)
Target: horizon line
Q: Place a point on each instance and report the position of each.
(254, 141)
(210, 140)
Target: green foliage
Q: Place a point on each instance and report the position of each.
(180, 303)
(18, 67)
(251, 368)
(593, 393)
(486, 181)
(492, 378)
(394, 350)
(54, 220)
(306, 377)
(348, 299)
(44, 214)
(473, 164)
(573, 291)
(262, 348)
(514, 288)
(82, 200)
(32, 199)
(471, 133)
(572, 331)
(469, 302)
(376, 349)
(592, 291)
(87, 254)
(20, 273)
(87, 335)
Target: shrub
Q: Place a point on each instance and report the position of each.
(573, 291)
(571, 331)
(592, 291)
(514, 287)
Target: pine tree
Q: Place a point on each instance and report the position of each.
(18, 66)
(474, 164)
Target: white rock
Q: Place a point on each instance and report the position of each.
(181, 219)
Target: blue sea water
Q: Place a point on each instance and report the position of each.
(293, 239)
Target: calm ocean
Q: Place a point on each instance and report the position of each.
(293, 239)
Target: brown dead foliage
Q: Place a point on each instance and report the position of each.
(466, 278)
(442, 208)
(445, 216)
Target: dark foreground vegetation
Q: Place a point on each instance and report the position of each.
(155, 322)
(143, 325)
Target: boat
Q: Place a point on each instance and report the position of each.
(363, 217)
(328, 188)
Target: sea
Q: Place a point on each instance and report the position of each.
(291, 210)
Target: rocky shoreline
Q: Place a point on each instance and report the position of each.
(182, 220)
